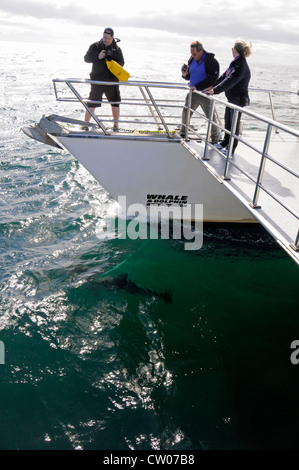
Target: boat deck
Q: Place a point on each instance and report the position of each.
(277, 220)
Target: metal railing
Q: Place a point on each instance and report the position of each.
(162, 115)
(146, 100)
(264, 156)
(284, 99)
(277, 101)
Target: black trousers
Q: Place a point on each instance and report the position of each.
(96, 93)
(228, 121)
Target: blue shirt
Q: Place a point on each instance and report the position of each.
(197, 71)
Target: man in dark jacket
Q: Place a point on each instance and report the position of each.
(202, 71)
(97, 54)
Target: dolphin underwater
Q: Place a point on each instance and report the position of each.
(122, 282)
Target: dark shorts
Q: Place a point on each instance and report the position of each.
(112, 94)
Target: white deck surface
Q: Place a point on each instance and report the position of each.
(279, 222)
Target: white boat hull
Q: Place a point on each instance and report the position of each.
(155, 173)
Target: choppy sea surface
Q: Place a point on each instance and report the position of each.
(175, 350)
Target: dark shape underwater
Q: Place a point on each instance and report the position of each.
(122, 282)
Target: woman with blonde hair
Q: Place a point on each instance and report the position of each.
(234, 82)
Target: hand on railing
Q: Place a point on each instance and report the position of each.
(209, 90)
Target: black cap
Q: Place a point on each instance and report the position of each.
(109, 31)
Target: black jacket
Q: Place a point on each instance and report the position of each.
(99, 69)
(235, 82)
(212, 71)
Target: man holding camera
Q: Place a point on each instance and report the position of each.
(202, 68)
(97, 54)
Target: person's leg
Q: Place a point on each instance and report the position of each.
(115, 114)
(227, 125)
(229, 116)
(96, 93)
(194, 105)
(205, 104)
(235, 144)
(113, 96)
(88, 115)
(184, 117)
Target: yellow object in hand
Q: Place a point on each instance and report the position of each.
(117, 70)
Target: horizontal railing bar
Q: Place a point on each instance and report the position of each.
(162, 84)
(128, 83)
(281, 165)
(260, 185)
(244, 172)
(273, 123)
(138, 138)
(123, 103)
(266, 90)
(273, 160)
(279, 201)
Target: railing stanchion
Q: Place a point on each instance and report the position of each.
(150, 107)
(158, 111)
(272, 109)
(188, 114)
(211, 115)
(231, 143)
(295, 246)
(101, 125)
(254, 204)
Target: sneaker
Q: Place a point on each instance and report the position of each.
(218, 146)
(84, 128)
(225, 152)
(115, 129)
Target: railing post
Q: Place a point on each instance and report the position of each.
(150, 108)
(254, 204)
(211, 115)
(188, 115)
(158, 111)
(272, 109)
(230, 144)
(86, 107)
(295, 246)
(55, 90)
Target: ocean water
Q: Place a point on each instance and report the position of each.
(173, 349)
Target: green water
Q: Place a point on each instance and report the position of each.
(107, 364)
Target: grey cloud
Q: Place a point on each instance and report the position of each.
(253, 23)
(46, 11)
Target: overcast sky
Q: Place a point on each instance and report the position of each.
(272, 26)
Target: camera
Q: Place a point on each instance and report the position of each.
(109, 54)
(185, 67)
